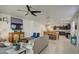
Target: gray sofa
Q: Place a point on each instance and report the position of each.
(39, 44)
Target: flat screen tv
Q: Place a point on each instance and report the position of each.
(16, 23)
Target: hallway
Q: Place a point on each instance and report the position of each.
(61, 46)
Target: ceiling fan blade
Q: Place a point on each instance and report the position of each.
(36, 11)
(33, 14)
(28, 8)
(21, 10)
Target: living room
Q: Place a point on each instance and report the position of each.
(24, 32)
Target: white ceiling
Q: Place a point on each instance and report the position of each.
(49, 12)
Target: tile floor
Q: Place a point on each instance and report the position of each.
(61, 46)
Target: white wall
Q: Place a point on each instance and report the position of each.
(5, 27)
(77, 31)
(73, 31)
(29, 26)
(75, 19)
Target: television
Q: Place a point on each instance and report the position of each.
(16, 23)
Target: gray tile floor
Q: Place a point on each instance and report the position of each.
(61, 46)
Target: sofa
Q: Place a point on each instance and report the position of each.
(39, 44)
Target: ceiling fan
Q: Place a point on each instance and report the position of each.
(33, 12)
